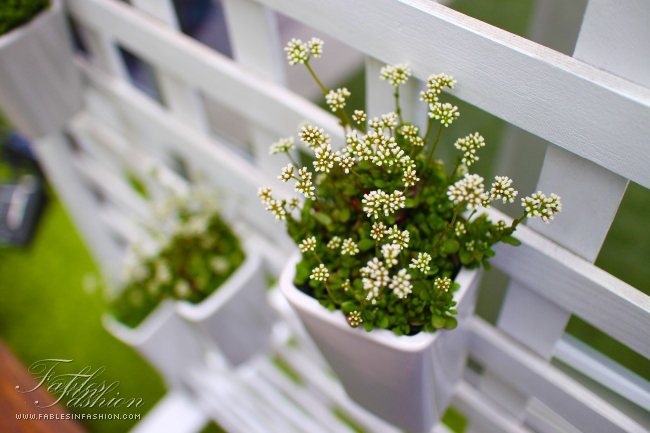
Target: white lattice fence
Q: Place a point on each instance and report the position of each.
(594, 109)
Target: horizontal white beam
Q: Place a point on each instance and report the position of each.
(575, 284)
(583, 109)
(251, 95)
(533, 375)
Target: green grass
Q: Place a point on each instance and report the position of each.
(45, 313)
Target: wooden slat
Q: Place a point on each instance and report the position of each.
(256, 98)
(532, 375)
(606, 302)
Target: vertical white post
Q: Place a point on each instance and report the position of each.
(181, 99)
(590, 194)
(56, 156)
(255, 40)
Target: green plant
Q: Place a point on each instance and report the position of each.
(197, 253)
(384, 227)
(15, 13)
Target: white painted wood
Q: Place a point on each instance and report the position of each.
(614, 37)
(531, 86)
(56, 159)
(595, 365)
(175, 413)
(40, 89)
(237, 178)
(543, 420)
(181, 99)
(263, 102)
(532, 375)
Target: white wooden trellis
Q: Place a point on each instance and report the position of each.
(593, 107)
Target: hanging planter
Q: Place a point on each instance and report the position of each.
(237, 318)
(406, 380)
(391, 242)
(40, 87)
(163, 339)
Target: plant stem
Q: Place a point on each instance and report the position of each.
(293, 161)
(398, 110)
(449, 226)
(345, 120)
(435, 144)
(458, 160)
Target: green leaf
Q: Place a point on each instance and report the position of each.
(323, 218)
(451, 323)
(466, 257)
(349, 306)
(382, 322)
(486, 265)
(366, 244)
(302, 272)
(344, 214)
(449, 246)
(511, 241)
(368, 326)
(438, 322)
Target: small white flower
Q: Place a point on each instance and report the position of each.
(394, 202)
(437, 82)
(375, 276)
(219, 264)
(321, 273)
(401, 284)
(294, 203)
(376, 124)
(390, 252)
(460, 229)
(501, 225)
(409, 178)
(409, 131)
(442, 284)
(349, 247)
(501, 189)
(336, 98)
(265, 194)
(284, 145)
(445, 113)
(468, 146)
(182, 289)
(287, 173)
(334, 243)
(373, 203)
(345, 161)
(399, 237)
(354, 319)
(297, 51)
(314, 137)
(324, 158)
(315, 46)
(421, 262)
(538, 205)
(308, 244)
(359, 116)
(378, 231)
(305, 185)
(395, 74)
(389, 120)
(346, 285)
(469, 189)
(469, 246)
(277, 208)
(163, 274)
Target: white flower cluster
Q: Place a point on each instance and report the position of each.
(300, 52)
(435, 83)
(308, 244)
(501, 189)
(468, 146)
(314, 137)
(395, 74)
(321, 273)
(349, 247)
(287, 173)
(378, 231)
(445, 113)
(375, 276)
(421, 263)
(390, 252)
(399, 237)
(377, 201)
(304, 185)
(324, 158)
(401, 284)
(334, 243)
(469, 189)
(354, 319)
(359, 116)
(442, 284)
(410, 178)
(274, 206)
(284, 145)
(538, 205)
(336, 98)
(460, 229)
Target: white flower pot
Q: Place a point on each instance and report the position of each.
(406, 380)
(40, 87)
(164, 339)
(237, 317)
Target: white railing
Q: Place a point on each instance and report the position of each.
(593, 108)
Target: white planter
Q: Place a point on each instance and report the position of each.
(40, 87)
(236, 317)
(407, 380)
(164, 339)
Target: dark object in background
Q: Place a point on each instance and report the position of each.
(22, 193)
(15, 13)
